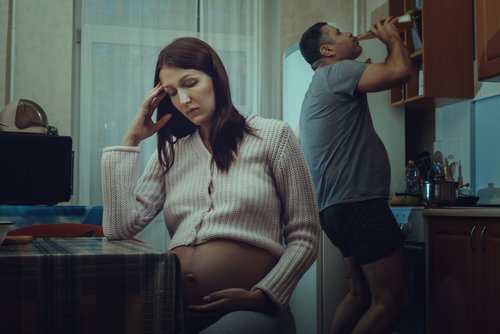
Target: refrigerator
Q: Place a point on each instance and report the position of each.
(322, 287)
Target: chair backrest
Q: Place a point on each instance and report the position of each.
(59, 230)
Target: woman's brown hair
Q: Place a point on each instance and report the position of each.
(229, 125)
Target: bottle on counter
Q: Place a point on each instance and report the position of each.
(412, 178)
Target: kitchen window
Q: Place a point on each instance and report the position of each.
(119, 42)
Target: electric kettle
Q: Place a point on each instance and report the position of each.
(23, 115)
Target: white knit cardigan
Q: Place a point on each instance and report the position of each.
(266, 199)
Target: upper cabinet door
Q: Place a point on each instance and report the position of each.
(441, 48)
(488, 40)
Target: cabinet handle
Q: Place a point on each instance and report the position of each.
(483, 248)
(470, 238)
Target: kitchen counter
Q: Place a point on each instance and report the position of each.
(463, 212)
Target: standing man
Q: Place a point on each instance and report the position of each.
(351, 171)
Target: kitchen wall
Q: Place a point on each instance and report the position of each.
(44, 37)
(485, 156)
(454, 128)
(4, 20)
(298, 15)
(43, 62)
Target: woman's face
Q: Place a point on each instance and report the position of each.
(191, 92)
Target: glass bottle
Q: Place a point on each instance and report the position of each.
(404, 23)
(412, 178)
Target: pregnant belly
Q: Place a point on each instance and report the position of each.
(218, 265)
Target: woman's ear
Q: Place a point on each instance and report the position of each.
(327, 50)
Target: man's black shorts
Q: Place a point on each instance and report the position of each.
(366, 230)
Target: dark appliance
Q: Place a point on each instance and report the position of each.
(410, 220)
(35, 168)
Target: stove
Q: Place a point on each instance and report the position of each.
(411, 221)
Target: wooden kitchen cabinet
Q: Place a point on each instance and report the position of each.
(464, 275)
(488, 40)
(446, 56)
(490, 269)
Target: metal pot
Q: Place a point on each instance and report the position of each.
(440, 191)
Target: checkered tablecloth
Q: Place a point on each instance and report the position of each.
(88, 285)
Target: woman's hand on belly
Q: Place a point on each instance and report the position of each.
(219, 276)
(226, 300)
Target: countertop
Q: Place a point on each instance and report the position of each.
(462, 211)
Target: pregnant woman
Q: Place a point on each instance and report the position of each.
(235, 191)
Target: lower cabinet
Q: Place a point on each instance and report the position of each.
(464, 274)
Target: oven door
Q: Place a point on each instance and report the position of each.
(414, 320)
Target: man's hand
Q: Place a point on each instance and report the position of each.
(397, 68)
(385, 30)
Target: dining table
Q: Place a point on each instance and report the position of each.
(89, 285)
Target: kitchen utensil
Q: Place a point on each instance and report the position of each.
(423, 163)
(453, 168)
(438, 157)
(447, 170)
(437, 172)
(460, 178)
(440, 192)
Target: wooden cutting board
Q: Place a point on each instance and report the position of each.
(17, 240)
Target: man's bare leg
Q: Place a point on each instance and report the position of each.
(355, 303)
(386, 279)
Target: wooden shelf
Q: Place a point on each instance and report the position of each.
(416, 102)
(446, 62)
(417, 54)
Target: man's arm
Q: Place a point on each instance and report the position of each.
(395, 70)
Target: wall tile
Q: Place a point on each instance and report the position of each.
(453, 135)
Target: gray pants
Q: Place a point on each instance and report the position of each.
(248, 322)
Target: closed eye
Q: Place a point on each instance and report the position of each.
(187, 83)
(190, 83)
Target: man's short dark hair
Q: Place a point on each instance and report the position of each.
(310, 42)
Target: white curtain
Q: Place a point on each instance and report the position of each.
(120, 41)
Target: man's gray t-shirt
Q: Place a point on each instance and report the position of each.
(347, 159)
